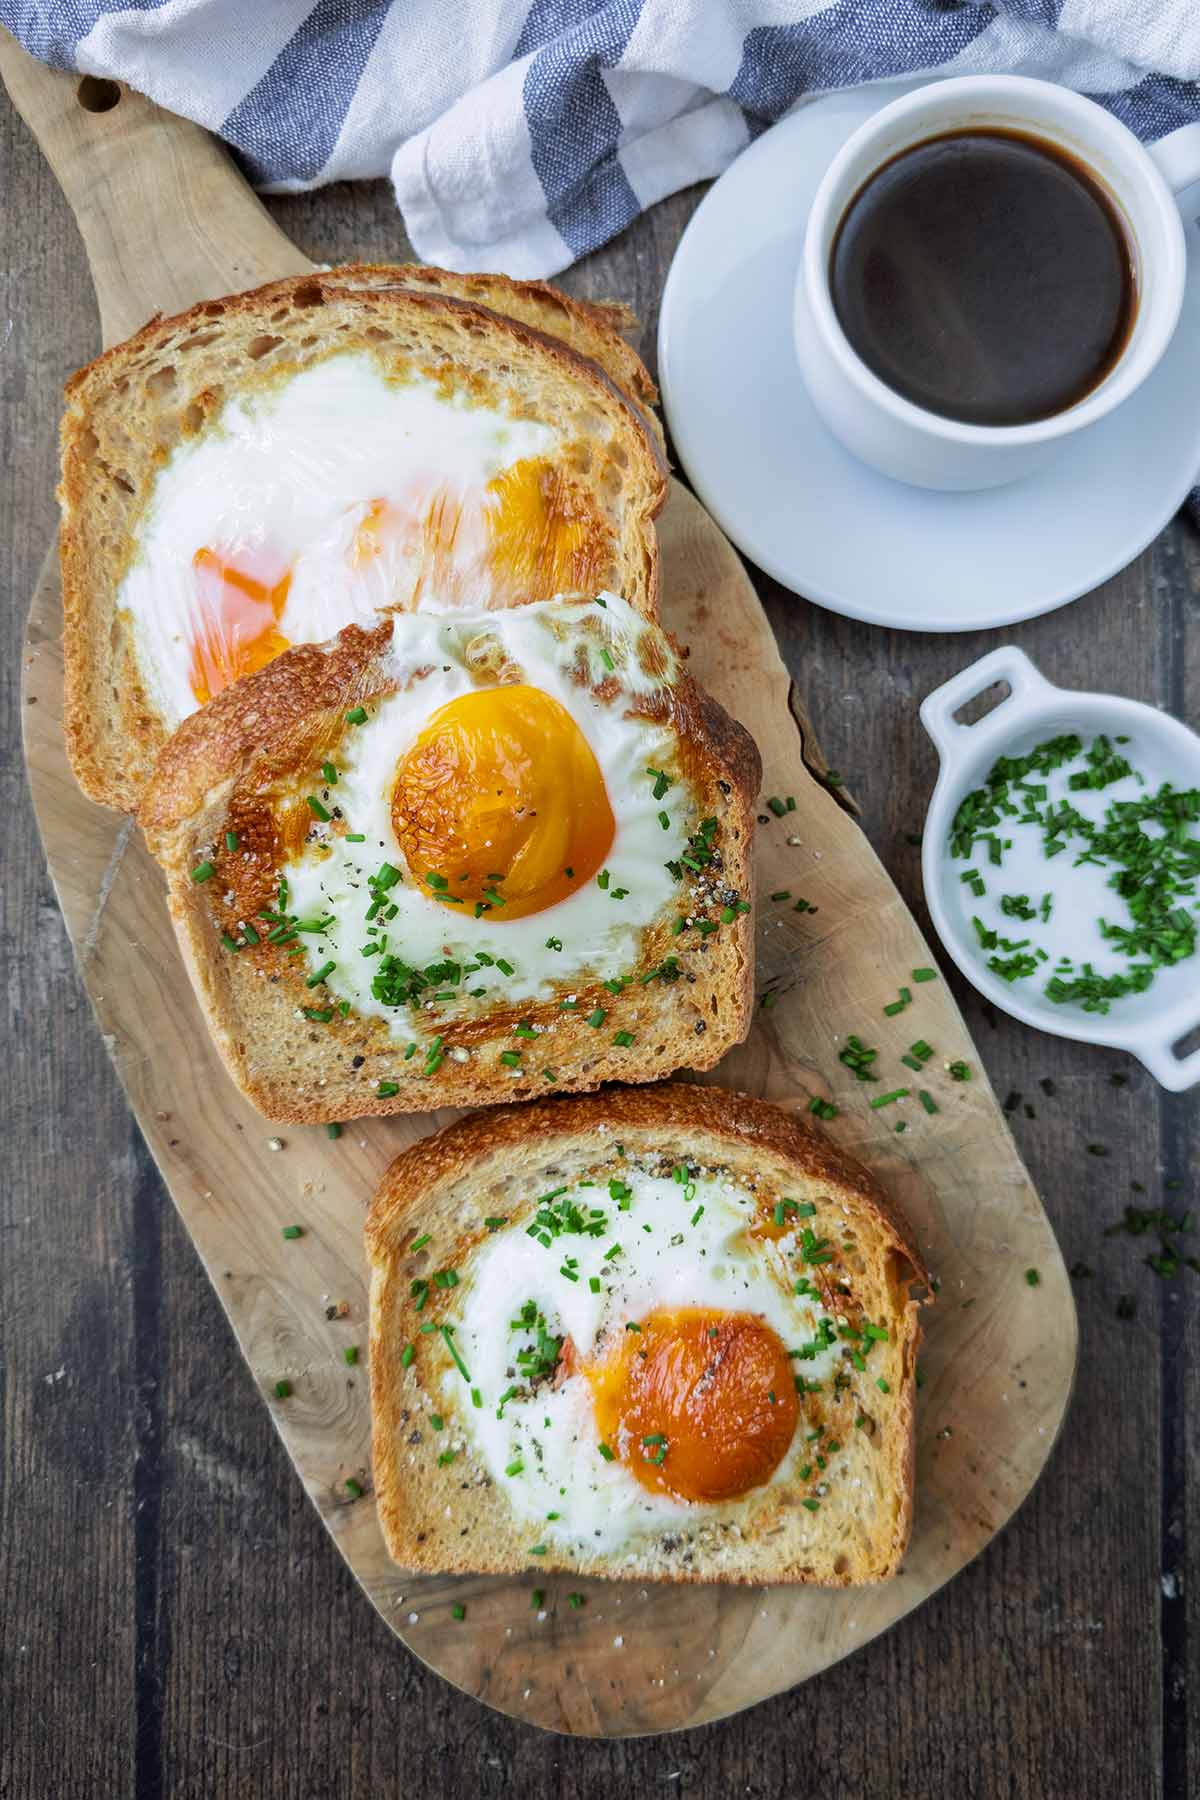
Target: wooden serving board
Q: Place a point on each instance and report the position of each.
(167, 220)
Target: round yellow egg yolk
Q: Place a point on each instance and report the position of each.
(501, 799)
(697, 1403)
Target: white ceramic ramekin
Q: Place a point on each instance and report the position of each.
(1151, 1024)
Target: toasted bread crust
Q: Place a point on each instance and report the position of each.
(593, 328)
(297, 1075)
(443, 1184)
(756, 1125)
(118, 429)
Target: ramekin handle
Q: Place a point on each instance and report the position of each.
(1006, 664)
(1175, 1073)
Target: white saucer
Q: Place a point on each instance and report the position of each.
(822, 523)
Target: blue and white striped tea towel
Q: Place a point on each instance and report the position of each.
(520, 134)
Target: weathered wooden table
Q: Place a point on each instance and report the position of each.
(174, 1619)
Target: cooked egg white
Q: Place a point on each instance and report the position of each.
(308, 505)
(597, 928)
(680, 1247)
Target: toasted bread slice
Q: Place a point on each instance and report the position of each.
(462, 858)
(594, 328)
(267, 468)
(661, 1333)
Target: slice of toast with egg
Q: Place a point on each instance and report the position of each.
(661, 1333)
(461, 858)
(268, 468)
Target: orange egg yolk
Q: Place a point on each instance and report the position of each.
(698, 1404)
(239, 614)
(425, 522)
(529, 531)
(545, 539)
(501, 801)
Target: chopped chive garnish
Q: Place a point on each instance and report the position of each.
(317, 810)
(1033, 1278)
(354, 1488)
(886, 1099)
(357, 715)
(385, 1089)
(282, 1389)
(406, 1356)
(597, 1018)
(924, 975)
(927, 1100)
(607, 1453)
(350, 1353)
(448, 1338)
(293, 1231)
(824, 1109)
(203, 871)
(858, 1058)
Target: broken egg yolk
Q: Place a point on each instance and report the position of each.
(697, 1403)
(500, 803)
(238, 626)
(545, 535)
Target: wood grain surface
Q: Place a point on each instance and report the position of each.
(174, 1621)
(999, 1356)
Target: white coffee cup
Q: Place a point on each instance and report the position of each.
(908, 442)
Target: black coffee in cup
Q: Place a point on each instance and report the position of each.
(985, 275)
